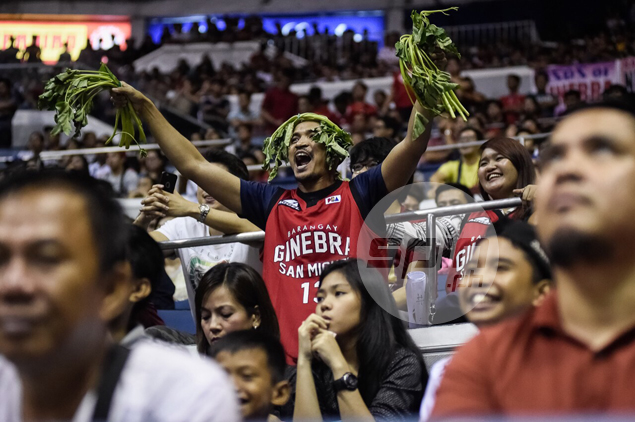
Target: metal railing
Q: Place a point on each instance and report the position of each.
(327, 48)
(429, 214)
(56, 155)
(521, 139)
(518, 31)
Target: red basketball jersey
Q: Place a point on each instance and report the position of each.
(475, 228)
(300, 241)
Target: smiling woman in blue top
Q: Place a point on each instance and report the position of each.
(308, 227)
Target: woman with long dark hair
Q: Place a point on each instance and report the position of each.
(232, 297)
(356, 359)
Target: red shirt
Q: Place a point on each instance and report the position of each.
(512, 103)
(360, 107)
(325, 111)
(303, 236)
(529, 366)
(475, 228)
(280, 104)
(400, 92)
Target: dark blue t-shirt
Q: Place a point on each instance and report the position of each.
(257, 199)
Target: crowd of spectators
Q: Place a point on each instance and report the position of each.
(200, 91)
(303, 327)
(568, 331)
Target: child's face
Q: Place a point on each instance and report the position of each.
(252, 378)
(498, 282)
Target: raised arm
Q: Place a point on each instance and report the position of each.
(186, 158)
(402, 161)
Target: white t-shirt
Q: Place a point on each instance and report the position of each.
(196, 261)
(434, 381)
(122, 184)
(158, 383)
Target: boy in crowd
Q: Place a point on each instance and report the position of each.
(256, 363)
(507, 275)
(451, 194)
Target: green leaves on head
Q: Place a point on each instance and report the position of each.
(276, 147)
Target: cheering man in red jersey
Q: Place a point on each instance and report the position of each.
(308, 227)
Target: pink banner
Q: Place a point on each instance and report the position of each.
(627, 69)
(590, 79)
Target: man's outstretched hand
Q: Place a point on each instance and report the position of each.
(121, 96)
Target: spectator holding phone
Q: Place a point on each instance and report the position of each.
(208, 217)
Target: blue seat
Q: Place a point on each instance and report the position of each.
(182, 305)
(179, 320)
(441, 279)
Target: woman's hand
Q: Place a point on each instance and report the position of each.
(160, 203)
(325, 347)
(178, 206)
(155, 204)
(307, 331)
(527, 194)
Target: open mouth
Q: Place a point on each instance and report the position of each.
(302, 160)
(484, 301)
(493, 176)
(209, 199)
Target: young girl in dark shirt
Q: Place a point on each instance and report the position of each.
(356, 359)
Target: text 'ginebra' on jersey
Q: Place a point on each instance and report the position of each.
(308, 240)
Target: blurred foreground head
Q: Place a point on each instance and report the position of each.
(586, 200)
(63, 269)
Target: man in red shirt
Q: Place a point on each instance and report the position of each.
(279, 103)
(574, 354)
(513, 102)
(401, 95)
(359, 104)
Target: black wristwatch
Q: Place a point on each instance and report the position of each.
(347, 382)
